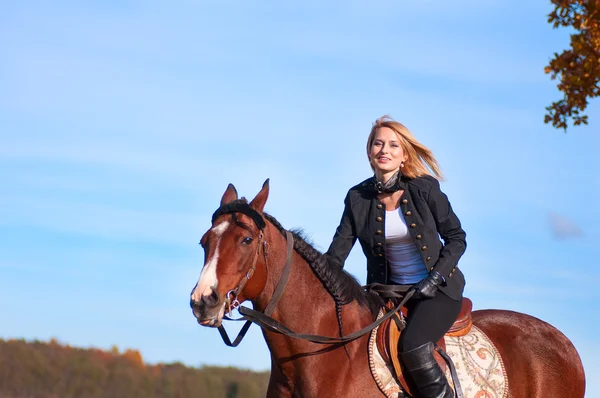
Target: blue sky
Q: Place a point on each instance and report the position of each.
(123, 122)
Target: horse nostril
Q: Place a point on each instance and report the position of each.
(211, 299)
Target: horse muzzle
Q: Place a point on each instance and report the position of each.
(211, 316)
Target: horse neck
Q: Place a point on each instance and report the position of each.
(300, 273)
(305, 302)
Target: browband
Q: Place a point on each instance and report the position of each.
(243, 207)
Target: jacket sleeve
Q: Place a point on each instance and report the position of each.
(344, 237)
(449, 229)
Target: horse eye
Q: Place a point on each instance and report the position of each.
(246, 241)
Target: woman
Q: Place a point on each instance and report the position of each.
(399, 215)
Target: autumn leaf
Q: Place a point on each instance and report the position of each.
(577, 68)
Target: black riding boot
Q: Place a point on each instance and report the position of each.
(424, 372)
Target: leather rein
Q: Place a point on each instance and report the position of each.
(263, 319)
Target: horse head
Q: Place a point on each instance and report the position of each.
(231, 253)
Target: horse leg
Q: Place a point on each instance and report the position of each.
(278, 385)
(539, 360)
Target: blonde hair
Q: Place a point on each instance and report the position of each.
(420, 160)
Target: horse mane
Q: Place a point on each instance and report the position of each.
(340, 284)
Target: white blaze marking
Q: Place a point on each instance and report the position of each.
(208, 277)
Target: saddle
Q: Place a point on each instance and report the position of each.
(389, 332)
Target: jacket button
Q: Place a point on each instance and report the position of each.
(405, 201)
(424, 248)
(413, 225)
(428, 258)
(419, 236)
(408, 213)
(379, 219)
(379, 244)
(378, 232)
(379, 206)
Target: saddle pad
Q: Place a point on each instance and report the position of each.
(478, 364)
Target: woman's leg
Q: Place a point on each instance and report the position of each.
(427, 322)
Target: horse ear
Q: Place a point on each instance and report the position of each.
(258, 203)
(230, 195)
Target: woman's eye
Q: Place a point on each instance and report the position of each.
(246, 241)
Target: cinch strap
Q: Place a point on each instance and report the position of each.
(240, 207)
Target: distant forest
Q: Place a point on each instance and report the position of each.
(52, 370)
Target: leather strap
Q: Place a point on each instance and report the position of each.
(457, 388)
(240, 206)
(272, 302)
(284, 276)
(266, 322)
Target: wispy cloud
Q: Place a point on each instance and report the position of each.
(562, 227)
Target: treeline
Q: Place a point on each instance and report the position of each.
(52, 370)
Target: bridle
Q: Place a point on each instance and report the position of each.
(231, 298)
(263, 319)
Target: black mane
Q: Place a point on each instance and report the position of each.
(342, 286)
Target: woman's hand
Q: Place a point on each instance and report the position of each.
(428, 287)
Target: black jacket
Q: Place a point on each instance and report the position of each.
(428, 215)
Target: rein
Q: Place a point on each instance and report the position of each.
(263, 319)
(266, 322)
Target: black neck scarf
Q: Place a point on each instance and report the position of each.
(390, 186)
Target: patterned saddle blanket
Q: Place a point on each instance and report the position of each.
(478, 364)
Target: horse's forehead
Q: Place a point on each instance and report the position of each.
(216, 232)
(220, 228)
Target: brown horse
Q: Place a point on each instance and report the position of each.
(245, 252)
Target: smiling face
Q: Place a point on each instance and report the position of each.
(386, 154)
